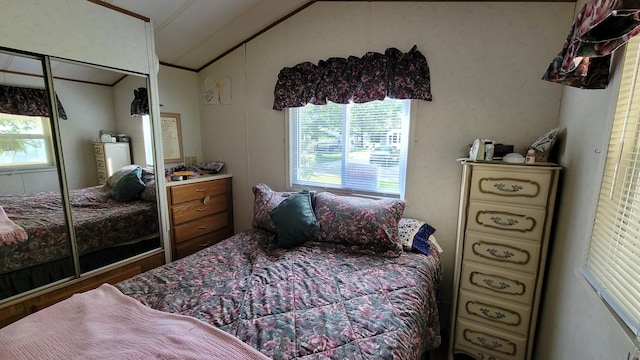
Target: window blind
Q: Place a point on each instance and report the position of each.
(359, 148)
(613, 262)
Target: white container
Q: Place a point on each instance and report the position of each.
(488, 150)
(531, 157)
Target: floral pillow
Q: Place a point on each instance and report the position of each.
(370, 224)
(265, 201)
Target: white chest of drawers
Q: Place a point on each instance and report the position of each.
(109, 158)
(504, 224)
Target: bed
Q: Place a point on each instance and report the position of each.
(315, 300)
(354, 281)
(106, 231)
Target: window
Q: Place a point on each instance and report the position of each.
(148, 139)
(25, 141)
(359, 148)
(613, 263)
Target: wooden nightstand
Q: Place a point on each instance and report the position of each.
(200, 213)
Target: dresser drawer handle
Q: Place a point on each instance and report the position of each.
(206, 199)
(201, 209)
(201, 227)
(205, 245)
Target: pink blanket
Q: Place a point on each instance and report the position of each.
(105, 324)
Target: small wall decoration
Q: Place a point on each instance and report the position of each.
(171, 138)
(217, 91)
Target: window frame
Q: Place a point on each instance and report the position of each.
(597, 275)
(407, 134)
(46, 136)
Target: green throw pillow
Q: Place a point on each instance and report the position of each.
(294, 219)
(129, 186)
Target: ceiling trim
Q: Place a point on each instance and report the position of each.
(119, 9)
(257, 34)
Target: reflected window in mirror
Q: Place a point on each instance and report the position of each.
(25, 142)
(148, 139)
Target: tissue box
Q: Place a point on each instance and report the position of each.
(541, 156)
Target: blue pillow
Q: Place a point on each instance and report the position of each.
(295, 220)
(129, 185)
(414, 235)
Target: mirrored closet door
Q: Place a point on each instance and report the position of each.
(88, 200)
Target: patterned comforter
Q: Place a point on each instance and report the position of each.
(316, 301)
(100, 222)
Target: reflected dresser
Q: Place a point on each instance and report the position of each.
(504, 225)
(109, 158)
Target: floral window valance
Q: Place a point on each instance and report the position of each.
(373, 76)
(27, 101)
(600, 27)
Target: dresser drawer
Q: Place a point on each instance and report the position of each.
(494, 250)
(512, 187)
(196, 209)
(200, 226)
(509, 221)
(485, 340)
(499, 283)
(197, 191)
(508, 316)
(196, 244)
(98, 151)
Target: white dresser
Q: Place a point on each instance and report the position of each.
(504, 224)
(109, 158)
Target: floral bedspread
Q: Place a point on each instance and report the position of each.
(316, 301)
(99, 220)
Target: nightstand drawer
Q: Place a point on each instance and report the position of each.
(200, 226)
(497, 344)
(510, 317)
(196, 244)
(493, 250)
(509, 221)
(500, 283)
(197, 191)
(197, 209)
(512, 187)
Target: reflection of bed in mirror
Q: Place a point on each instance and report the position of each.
(106, 230)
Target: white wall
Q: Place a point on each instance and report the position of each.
(486, 62)
(89, 108)
(79, 30)
(574, 323)
(126, 124)
(179, 94)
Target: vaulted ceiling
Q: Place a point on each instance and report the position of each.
(193, 33)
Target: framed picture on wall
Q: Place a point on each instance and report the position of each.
(171, 138)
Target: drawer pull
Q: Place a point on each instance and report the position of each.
(207, 244)
(201, 209)
(201, 227)
(206, 199)
(199, 190)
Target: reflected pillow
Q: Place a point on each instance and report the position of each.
(294, 220)
(370, 224)
(129, 185)
(118, 174)
(149, 192)
(414, 235)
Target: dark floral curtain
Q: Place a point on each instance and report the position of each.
(140, 103)
(374, 76)
(27, 101)
(600, 27)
